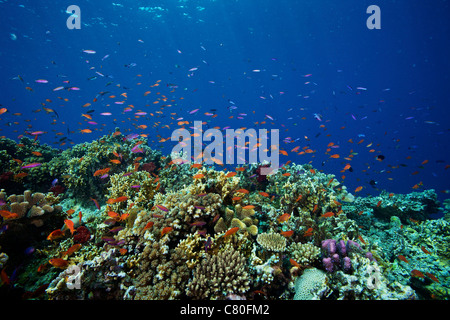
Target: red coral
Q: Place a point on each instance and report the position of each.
(149, 167)
(82, 235)
(57, 189)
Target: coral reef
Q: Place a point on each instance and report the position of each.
(113, 219)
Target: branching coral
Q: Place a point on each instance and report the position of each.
(219, 275)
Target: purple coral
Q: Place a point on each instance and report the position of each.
(327, 264)
(346, 264)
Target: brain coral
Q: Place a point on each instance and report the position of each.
(310, 284)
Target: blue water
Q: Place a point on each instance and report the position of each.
(311, 55)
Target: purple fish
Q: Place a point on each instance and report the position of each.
(197, 223)
(136, 149)
(131, 136)
(208, 244)
(32, 165)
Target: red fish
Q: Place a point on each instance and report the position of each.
(149, 225)
(231, 231)
(69, 224)
(284, 217)
(402, 258)
(166, 230)
(287, 234)
(56, 234)
(59, 263)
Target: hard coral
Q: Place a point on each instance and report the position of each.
(220, 275)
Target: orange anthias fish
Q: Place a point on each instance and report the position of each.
(248, 207)
(56, 234)
(230, 174)
(198, 176)
(59, 263)
(425, 250)
(294, 263)
(166, 230)
(308, 233)
(101, 172)
(358, 189)
(8, 215)
(149, 225)
(287, 233)
(327, 215)
(264, 194)
(284, 217)
(231, 231)
(417, 273)
(69, 224)
(242, 191)
(72, 249)
(402, 258)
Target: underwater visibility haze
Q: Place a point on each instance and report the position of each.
(346, 197)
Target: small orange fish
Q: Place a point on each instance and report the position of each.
(115, 161)
(242, 169)
(242, 191)
(391, 195)
(8, 215)
(69, 224)
(312, 171)
(264, 194)
(284, 217)
(198, 176)
(59, 263)
(432, 277)
(287, 174)
(56, 234)
(335, 156)
(196, 165)
(149, 225)
(425, 250)
(166, 230)
(72, 249)
(299, 198)
(124, 216)
(231, 231)
(379, 203)
(358, 189)
(361, 239)
(308, 233)
(327, 215)
(230, 174)
(287, 234)
(248, 207)
(70, 212)
(417, 273)
(101, 172)
(315, 208)
(123, 251)
(86, 130)
(236, 198)
(36, 153)
(294, 263)
(121, 199)
(402, 258)
(113, 214)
